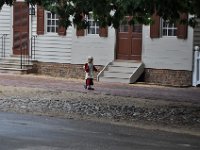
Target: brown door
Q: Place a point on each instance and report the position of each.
(129, 41)
(21, 29)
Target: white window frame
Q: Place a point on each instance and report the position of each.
(55, 26)
(96, 27)
(167, 28)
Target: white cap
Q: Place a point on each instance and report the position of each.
(90, 57)
(196, 48)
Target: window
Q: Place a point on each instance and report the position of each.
(124, 26)
(93, 27)
(168, 29)
(52, 23)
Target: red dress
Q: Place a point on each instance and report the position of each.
(89, 68)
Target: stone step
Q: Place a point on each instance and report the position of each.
(12, 65)
(114, 80)
(125, 64)
(13, 70)
(117, 74)
(14, 58)
(121, 72)
(121, 69)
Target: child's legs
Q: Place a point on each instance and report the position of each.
(89, 82)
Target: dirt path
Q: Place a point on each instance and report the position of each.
(149, 92)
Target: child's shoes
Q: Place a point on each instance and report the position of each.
(89, 88)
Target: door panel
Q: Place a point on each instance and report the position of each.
(21, 29)
(124, 47)
(129, 41)
(136, 44)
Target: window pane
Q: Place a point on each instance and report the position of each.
(93, 31)
(53, 29)
(164, 24)
(93, 25)
(168, 29)
(53, 22)
(48, 29)
(164, 32)
(49, 15)
(137, 28)
(49, 22)
(170, 32)
(124, 28)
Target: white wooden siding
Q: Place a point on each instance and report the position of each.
(52, 47)
(101, 48)
(33, 25)
(167, 52)
(5, 28)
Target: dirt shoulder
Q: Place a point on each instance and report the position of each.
(173, 116)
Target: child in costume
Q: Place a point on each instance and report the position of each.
(89, 76)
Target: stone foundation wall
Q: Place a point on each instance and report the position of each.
(168, 77)
(155, 76)
(62, 70)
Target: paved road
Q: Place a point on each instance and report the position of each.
(148, 92)
(26, 132)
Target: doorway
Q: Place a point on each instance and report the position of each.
(20, 28)
(129, 41)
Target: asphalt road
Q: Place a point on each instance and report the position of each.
(27, 132)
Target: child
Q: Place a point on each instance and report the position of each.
(89, 69)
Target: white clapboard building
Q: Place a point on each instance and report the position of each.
(162, 53)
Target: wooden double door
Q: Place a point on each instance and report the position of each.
(129, 41)
(20, 28)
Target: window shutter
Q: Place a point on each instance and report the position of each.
(103, 32)
(62, 31)
(182, 29)
(40, 20)
(155, 27)
(81, 32)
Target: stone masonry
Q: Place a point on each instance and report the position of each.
(168, 77)
(62, 70)
(155, 76)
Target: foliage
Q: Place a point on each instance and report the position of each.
(112, 12)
